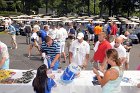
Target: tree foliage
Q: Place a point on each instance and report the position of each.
(64, 7)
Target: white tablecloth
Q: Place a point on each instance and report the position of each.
(82, 84)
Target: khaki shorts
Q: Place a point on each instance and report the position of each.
(13, 38)
(68, 43)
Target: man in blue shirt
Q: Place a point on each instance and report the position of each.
(52, 50)
(44, 32)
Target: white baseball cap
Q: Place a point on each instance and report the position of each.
(80, 35)
(123, 36)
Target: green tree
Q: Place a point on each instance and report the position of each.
(3, 4)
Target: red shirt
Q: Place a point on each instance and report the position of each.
(114, 30)
(100, 54)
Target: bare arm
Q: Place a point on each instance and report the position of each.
(2, 61)
(70, 57)
(86, 61)
(103, 80)
(55, 59)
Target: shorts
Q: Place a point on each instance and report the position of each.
(6, 64)
(127, 56)
(13, 37)
(91, 36)
(33, 44)
(69, 41)
(62, 47)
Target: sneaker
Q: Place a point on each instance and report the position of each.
(29, 56)
(64, 61)
(11, 47)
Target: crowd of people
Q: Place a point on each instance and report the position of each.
(111, 50)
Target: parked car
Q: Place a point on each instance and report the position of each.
(2, 28)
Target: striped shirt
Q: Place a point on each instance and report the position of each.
(51, 51)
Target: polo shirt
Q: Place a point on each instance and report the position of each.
(51, 51)
(79, 51)
(97, 30)
(100, 54)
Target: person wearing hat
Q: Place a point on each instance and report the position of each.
(79, 51)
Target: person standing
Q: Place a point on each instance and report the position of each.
(12, 32)
(79, 51)
(97, 31)
(4, 61)
(71, 35)
(127, 43)
(28, 30)
(111, 80)
(51, 49)
(113, 32)
(102, 45)
(53, 32)
(34, 42)
(90, 28)
(62, 35)
(44, 32)
(117, 45)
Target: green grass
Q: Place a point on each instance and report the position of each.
(2, 32)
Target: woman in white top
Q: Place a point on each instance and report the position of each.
(34, 41)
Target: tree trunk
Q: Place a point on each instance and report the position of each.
(94, 7)
(110, 7)
(46, 6)
(88, 7)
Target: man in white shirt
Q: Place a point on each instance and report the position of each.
(120, 49)
(53, 32)
(61, 38)
(79, 51)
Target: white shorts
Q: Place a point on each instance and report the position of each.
(62, 47)
(91, 36)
